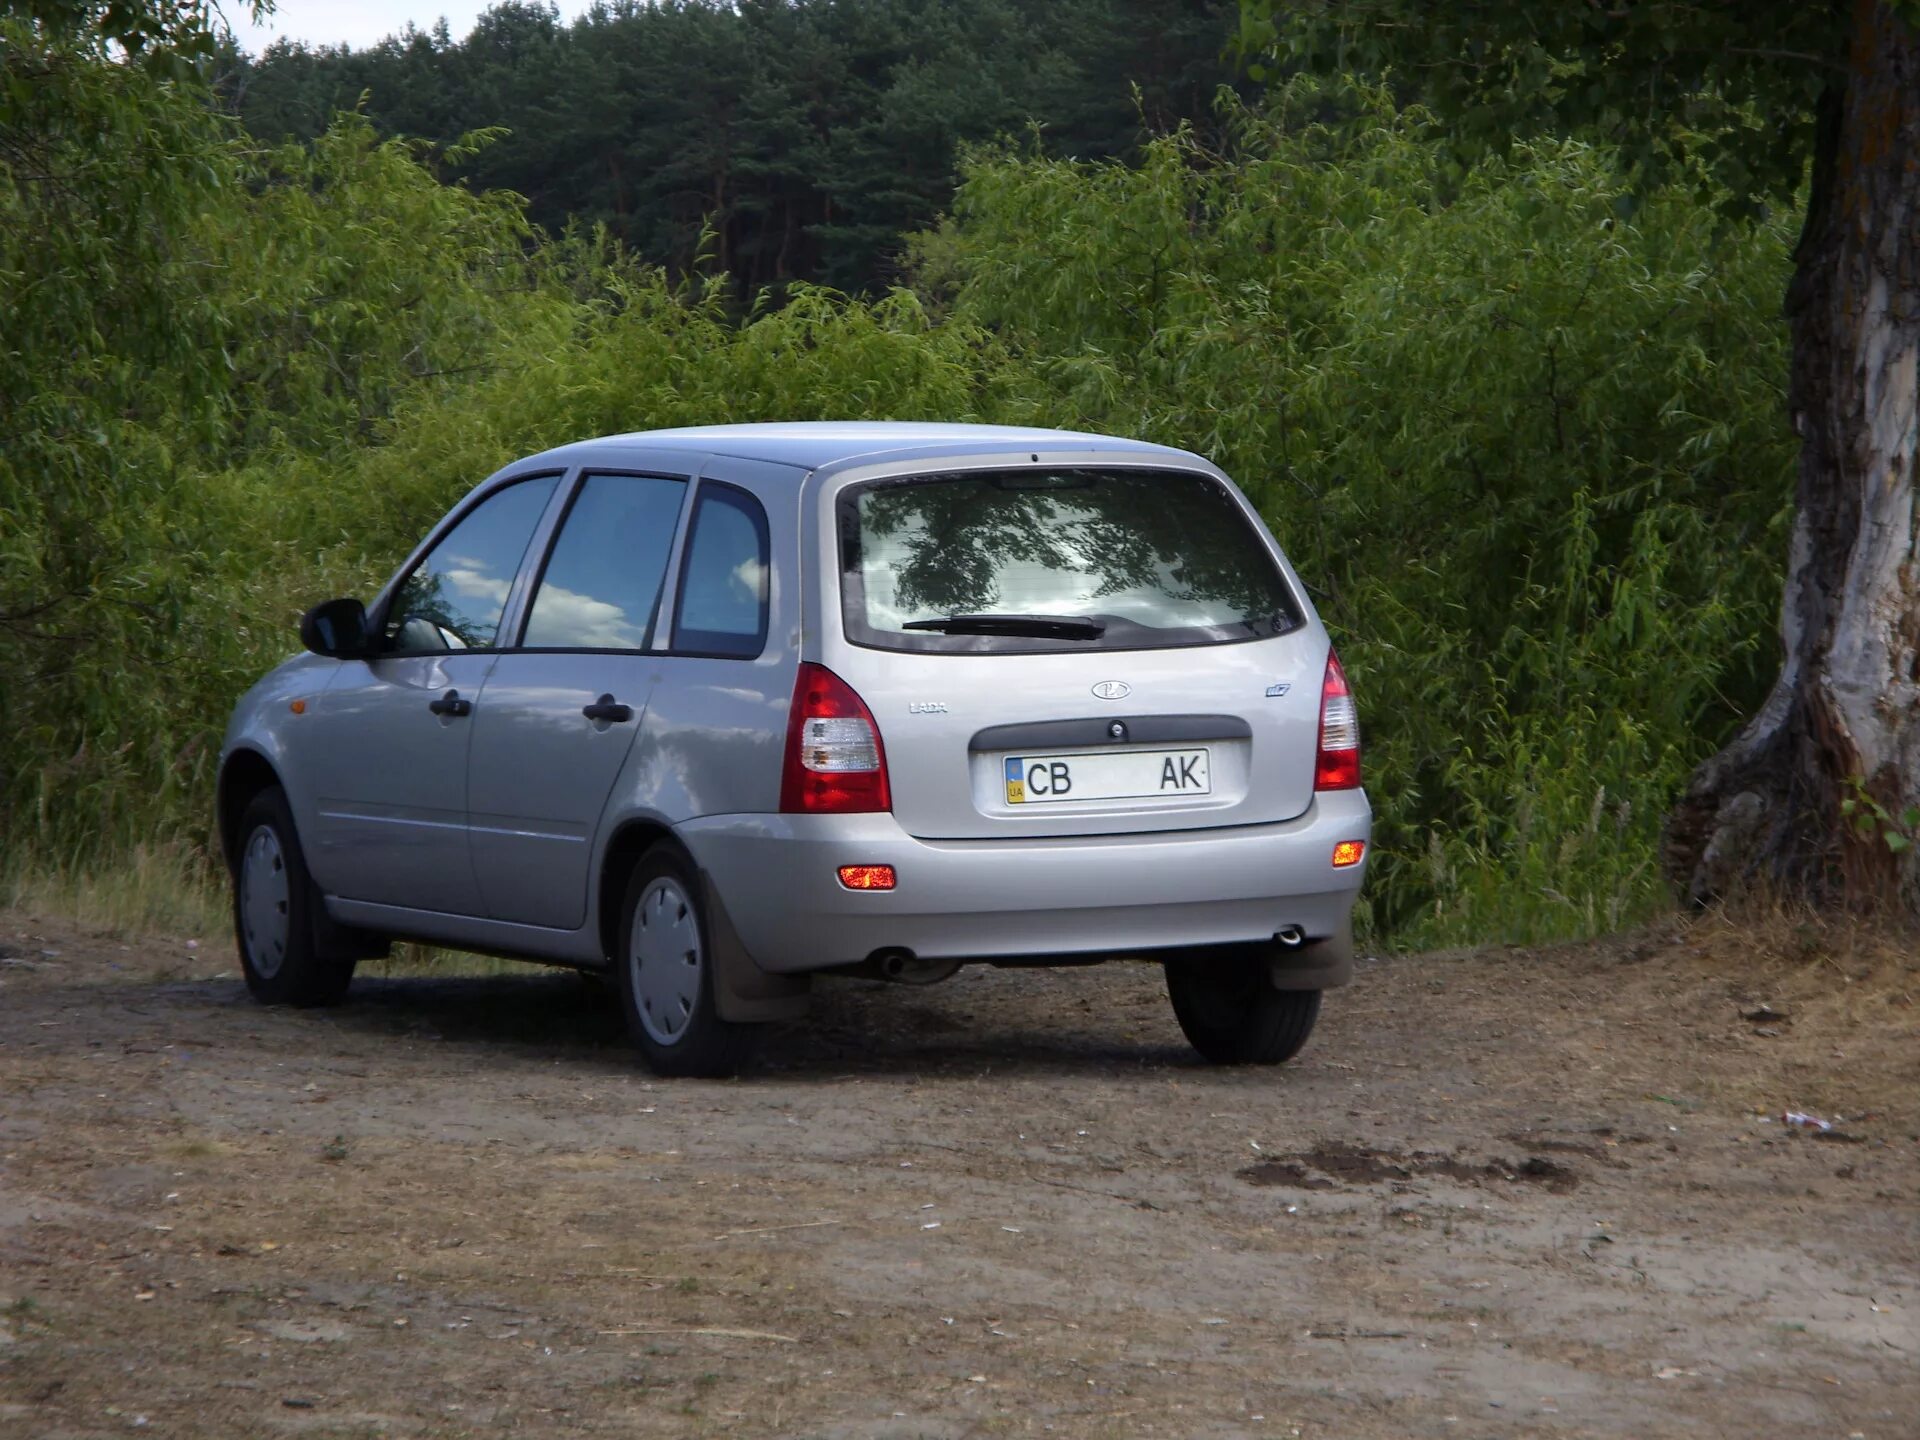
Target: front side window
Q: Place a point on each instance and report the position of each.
(456, 595)
(1055, 560)
(722, 608)
(601, 588)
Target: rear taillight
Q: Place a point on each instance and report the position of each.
(1337, 765)
(835, 765)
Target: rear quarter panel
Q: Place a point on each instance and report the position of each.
(713, 737)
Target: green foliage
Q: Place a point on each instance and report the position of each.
(355, 274)
(1723, 97)
(792, 139)
(106, 378)
(1526, 455)
(168, 30)
(1870, 820)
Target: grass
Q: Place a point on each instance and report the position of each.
(425, 962)
(166, 888)
(1844, 989)
(170, 889)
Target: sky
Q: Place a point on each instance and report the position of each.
(358, 23)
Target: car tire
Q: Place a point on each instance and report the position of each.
(1231, 1013)
(664, 969)
(276, 911)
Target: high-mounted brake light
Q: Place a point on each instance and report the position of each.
(1337, 765)
(835, 764)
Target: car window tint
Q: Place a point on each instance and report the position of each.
(723, 581)
(1144, 559)
(455, 597)
(602, 580)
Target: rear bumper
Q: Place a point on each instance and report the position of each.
(988, 899)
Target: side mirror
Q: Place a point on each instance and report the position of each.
(336, 628)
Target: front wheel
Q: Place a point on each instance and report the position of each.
(276, 911)
(1232, 1014)
(665, 970)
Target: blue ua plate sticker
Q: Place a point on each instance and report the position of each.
(1016, 786)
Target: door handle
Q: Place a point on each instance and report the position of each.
(608, 708)
(451, 704)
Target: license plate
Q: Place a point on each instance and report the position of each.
(1107, 775)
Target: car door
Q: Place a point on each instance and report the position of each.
(389, 738)
(559, 711)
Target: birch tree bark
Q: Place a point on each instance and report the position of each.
(1843, 720)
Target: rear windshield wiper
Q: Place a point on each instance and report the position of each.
(1051, 627)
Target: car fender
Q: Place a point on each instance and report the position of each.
(263, 723)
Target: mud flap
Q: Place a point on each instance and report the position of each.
(1317, 965)
(742, 991)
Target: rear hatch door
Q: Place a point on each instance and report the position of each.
(1076, 651)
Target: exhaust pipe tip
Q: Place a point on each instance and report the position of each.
(1291, 936)
(899, 964)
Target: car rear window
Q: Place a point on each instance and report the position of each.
(1055, 560)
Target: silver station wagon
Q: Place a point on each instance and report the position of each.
(718, 710)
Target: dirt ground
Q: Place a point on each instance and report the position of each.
(1503, 1193)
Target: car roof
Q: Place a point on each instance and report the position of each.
(812, 444)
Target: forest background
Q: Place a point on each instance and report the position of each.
(1520, 429)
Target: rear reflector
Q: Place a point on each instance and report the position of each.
(835, 764)
(867, 877)
(1348, 852)
(1337, 765)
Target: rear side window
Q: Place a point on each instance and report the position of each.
(1055, 560)
(722, 609)
(455, 596)
(601, 587)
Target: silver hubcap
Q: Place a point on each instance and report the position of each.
(664, 960)
(264, 919)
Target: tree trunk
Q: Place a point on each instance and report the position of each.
(1843, 720)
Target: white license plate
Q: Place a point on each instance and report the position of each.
(1107, 775)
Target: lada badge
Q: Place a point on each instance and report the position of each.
(1113, 690)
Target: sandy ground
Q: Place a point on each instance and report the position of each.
(1503, 1193)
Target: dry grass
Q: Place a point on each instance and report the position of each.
(168, 891)
(1847, 988)
(1824, 1006)
(164, 889)
(425, 962)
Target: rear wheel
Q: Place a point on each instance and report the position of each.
(276, 909)
(665, 972)
(1232, 1014)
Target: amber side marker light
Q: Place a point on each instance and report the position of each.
(1348, 852)
(298, 707)
(867, 877)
